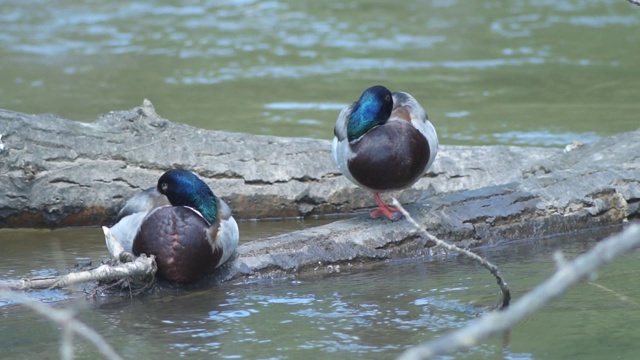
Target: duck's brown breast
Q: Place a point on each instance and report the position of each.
(389, 157)
(177, 237)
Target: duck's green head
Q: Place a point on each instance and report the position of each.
(184, 188)
(372, 109)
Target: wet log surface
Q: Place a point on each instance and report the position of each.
(56, 172)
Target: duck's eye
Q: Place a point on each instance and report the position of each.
(164, 187)
(387, 98)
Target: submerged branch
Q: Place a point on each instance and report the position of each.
(506, 294)
(495, 322)
(69, 324)
(142, 267)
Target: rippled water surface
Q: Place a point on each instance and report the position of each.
(355, 312)
(537, 72)
(533, 72)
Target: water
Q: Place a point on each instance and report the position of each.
(371, 313)
(537, 72)
(533, 72)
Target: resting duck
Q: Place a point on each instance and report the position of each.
(182, 223)
(384, 142)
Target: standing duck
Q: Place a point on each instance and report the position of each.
(180, 221)
(384, 142)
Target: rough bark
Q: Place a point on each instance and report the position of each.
(66, 173)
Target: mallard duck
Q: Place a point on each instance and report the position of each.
(182, 223)
(384, 142)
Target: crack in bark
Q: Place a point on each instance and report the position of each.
(67, 182)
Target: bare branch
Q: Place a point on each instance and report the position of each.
(495, 322)
(66, 344)
(620, 297)
(506, 294)
(115, 248)
(65, 319)
(142, 267)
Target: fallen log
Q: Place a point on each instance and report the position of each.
(62, 173)
(58, 172)
(592, 186)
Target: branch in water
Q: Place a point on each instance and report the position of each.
(69, 324)
(142, 267)
(495, 322)
(506, 294)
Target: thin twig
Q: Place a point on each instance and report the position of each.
(620, 296)
(495, 322)
(115, 247)
(65, 319)
(506, 294)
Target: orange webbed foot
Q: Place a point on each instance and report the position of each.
(385, 210)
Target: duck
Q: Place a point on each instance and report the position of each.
(384, 142)
(188, 229)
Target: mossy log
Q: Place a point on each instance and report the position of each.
(58, 172)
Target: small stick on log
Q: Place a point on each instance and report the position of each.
(495, 322)
(506, 294)
(142, 267)
(69, 324)
(115, 247)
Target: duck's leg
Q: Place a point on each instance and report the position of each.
(385, 210)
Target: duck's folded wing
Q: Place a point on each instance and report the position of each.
(407, 108)
(143, 201)
(340, 130)
(124, 231)
(227, 234)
